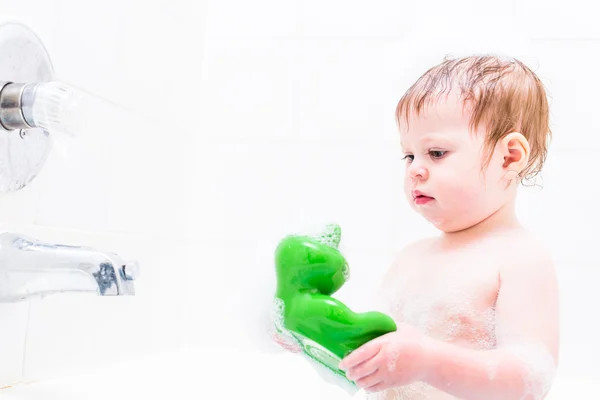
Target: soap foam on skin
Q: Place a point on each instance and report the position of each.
(418, 313)
(392, 359)
(541, 368)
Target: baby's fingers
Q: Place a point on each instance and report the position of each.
(363, 370)
(360, 355)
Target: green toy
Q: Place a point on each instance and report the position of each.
(309, 270)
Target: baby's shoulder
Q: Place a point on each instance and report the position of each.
(523, 250)
(523, 243)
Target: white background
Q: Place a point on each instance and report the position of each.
(273, 116)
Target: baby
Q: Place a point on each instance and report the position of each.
(476, 306)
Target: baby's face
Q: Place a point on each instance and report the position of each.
(444, 160)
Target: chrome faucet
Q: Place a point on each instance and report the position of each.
(29, 267)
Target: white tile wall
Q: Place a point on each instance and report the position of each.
(579, 327)
(555, 20)
(566, 67)
(281, 119)
(268, 186)
(563, 210)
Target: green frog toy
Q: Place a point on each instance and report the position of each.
(310, 269)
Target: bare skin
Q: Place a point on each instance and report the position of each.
(449, 292)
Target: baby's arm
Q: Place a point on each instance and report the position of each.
(523, 364)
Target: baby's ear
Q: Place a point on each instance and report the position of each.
(515, 150)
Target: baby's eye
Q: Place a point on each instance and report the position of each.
(437, 153)
(408, 157)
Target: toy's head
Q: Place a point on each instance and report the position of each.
(311, 262)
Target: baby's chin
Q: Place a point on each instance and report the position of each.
(442, 219)
(448, 225)
(442, 225)
(439, 222)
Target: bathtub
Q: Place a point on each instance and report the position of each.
(186, 373)
(192, 373)
(241, 362)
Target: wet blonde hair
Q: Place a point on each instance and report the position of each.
(503, 95)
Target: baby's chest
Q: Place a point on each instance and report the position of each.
(452, 300)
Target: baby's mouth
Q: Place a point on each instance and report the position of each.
(422, 199)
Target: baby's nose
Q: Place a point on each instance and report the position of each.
(418, 171)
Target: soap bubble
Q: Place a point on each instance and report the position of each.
(277, 328)
(329, 235)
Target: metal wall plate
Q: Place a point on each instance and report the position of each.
(23, 59)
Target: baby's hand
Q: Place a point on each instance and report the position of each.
(391, 360)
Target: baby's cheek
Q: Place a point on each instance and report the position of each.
(462, 194)
(468, 203)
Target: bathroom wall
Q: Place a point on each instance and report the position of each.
(273, 116)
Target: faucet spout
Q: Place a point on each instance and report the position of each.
(29, 267)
